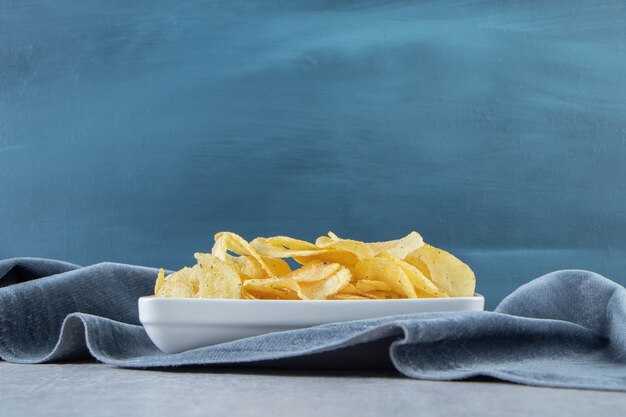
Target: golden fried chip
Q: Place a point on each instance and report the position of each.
(318, 280)
(277, 266)
(247, 296)
(399, 248)
(330, 285)
(314, 281)
(314, 271)
(235, 262)
(348, 297)
(360, 250)
(368, 285)
(288, 243)
(216, 279)
(445, 270)
(384, 295)
(422, 284)
(249, 267)
(323, 240)
(329, 256)
(177, 285)
(225, 241)
(281, 247)
(343, 251)
(272, 288)
(351, 289)
(246, 266)
(160, 280)
(381, 269)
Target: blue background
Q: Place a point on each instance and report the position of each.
(132, 131)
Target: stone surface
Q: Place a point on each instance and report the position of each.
(90, 389)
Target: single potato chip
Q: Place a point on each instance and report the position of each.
(323, 240)
(160, 281)
(225, 241)
(318, 280)
(399, 248)
(343, 251)
(238, 263)
(250, 268)
(272, 289)
(314, 271)
(277, 266)
(329, 256)
(384, 295)
(216, 279)
(348, 297)
(356, 251)
(330, 285)
(445, 270)
(386, 270)
(422, 284)
(368, 285)
(350, 289)
(180, 284)
(246, 296)
(360, 250)
(276, 247)
(288, 243)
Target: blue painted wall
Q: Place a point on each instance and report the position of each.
(132, 131)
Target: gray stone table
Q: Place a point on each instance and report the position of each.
(91, 389)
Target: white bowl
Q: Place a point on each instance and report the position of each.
(179, 324)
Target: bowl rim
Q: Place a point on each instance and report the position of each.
(148, 298)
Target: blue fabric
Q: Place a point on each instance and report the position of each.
(133, 130)
(565, 329)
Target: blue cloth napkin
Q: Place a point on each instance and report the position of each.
(565, 329)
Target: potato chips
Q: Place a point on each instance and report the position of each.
(332, 268)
